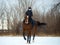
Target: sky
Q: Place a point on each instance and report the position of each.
(45, 4)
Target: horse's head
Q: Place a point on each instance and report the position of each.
(26, 19)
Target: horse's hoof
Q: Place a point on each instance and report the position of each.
(33, 40)
(29, 42)
(26, 43)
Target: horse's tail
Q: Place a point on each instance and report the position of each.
(40, 24)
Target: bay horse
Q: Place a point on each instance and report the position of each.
(27, 28)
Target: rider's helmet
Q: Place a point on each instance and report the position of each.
(29, 8)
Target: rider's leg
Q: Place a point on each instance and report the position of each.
(32, 21)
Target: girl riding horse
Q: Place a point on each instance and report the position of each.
(29, 24)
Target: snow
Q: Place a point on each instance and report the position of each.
(18, 40)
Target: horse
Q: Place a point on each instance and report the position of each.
(27, 28)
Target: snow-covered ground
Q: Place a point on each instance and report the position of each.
(18, 40)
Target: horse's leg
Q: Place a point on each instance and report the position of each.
(34, 30)
(24, 34)
(29, 37)
(33, 36)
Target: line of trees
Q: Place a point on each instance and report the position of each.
(14, 16)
